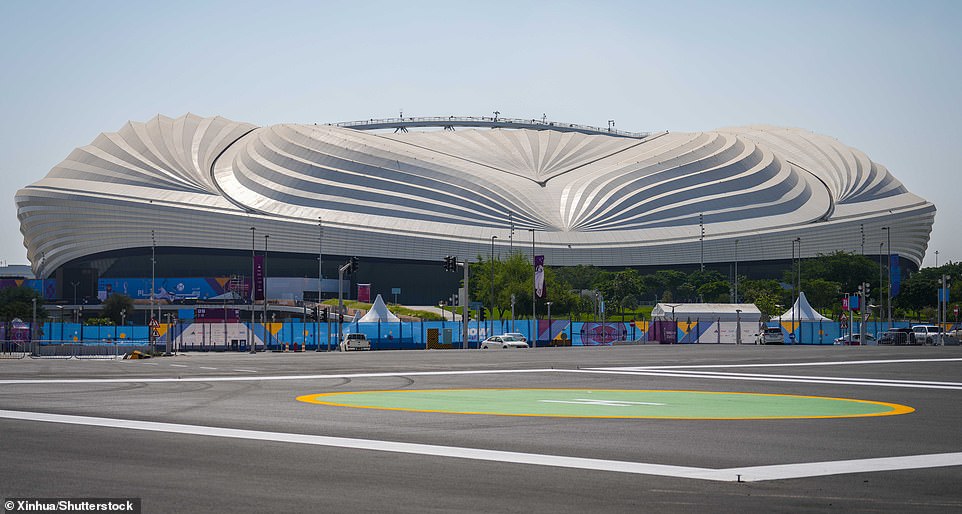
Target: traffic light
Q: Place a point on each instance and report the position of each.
(323, 316)
(340, 318)
(354, 266)
(481, 315)
(450, 263)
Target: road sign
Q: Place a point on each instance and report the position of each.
(153, 323)
(395, 290)
(154, 333)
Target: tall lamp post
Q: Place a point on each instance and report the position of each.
(320, 281)
(881, 295)
(701, 240)
(888, 265)
(736, 271)
(250, 345)
(491, 263)
(264, 318)
(534, 294)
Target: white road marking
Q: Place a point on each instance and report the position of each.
(603, 403)
(679, 371)
(775, 378)
(242, 378)
(749, 474)
(795, 364)
(206, 367)
(179, 365)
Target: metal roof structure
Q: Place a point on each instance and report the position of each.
(581, 196)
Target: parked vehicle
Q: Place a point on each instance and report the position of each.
(354, 342)
(898, 337)
(770, 335)
(517, 335)
(502, 342)
(855, 339)
(926, 334)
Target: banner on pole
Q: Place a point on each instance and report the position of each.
(539, 285)
(258, 277)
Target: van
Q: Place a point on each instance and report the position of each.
(354, 342)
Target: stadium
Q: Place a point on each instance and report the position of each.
(192, 198)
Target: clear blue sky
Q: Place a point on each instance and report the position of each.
(881, 76)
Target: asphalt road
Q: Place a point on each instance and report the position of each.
(224, 432)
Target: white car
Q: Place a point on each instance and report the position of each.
(518, 335)
(502, 342)
(770, 335)
(354, 342)
(855, 339)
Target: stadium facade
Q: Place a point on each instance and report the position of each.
(202, 193)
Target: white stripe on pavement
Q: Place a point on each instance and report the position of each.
(751, 473)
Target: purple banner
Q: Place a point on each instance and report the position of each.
(258, 277)
(540, 289)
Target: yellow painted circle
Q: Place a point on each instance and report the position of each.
(611, 403)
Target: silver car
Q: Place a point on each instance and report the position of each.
(502, 342)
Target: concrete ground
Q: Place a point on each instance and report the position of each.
(224, 432)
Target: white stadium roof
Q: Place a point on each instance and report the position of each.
(625, 199)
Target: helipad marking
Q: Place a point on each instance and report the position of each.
(743, 474)
(632, 403)
(608, 403)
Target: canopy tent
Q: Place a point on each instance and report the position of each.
(379, 312)
(746, 312)
(802, 311)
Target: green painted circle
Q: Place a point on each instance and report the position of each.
(610, 403)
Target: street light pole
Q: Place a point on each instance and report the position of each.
(534, 294)
(736, 271)
(888, 265)
(701, 239)
(250, 345)
(264, 272)
(320, 281)
(491, 263)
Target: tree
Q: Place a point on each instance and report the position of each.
(116, 307)
(847, 269)
(767, 295)
(822, 293)
(18, 302)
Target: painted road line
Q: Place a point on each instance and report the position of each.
(752, 473)
(813, 377)
(243, 378)
(794, 364)
(179, 365)
(206, 367)
(245, 370)
(748, 377)
(840, 467)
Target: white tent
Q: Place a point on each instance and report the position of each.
(802, 311)
(379, 312)
(746, 312)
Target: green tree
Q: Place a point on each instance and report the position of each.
(18, 302)
(767, 295)
(718, 291)
(117, 307)
(821, 293)
(847, 269)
